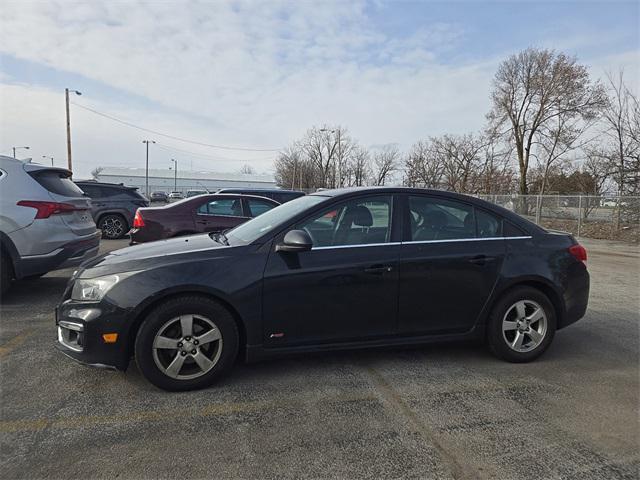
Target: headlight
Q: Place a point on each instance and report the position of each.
(94, 289)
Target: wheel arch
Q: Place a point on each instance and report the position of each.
(540, 284)
(141, 313)
(7, 247)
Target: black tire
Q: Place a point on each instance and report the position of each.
(499, 341)
(6, 273)
(165, 313)
(113, 225)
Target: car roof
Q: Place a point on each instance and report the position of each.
(266, 190)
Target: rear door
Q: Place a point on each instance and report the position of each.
(62, 189)
(449, 264)
(219, 214)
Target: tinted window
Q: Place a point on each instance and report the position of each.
(354, 222)
(510, 230)
(487, 225)
(57, 182)
(91, 190)
(258, 207)
(433, 218)
(227, 207)
(111, 192)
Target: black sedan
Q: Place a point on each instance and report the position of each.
(334, 270)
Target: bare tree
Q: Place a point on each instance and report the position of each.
(531, 90)
(386, 161)
(422, 168)
(247, 169)
(95, 173)
(358, 168)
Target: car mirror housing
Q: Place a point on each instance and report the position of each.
(295, 241)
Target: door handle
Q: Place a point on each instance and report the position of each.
(481, 259)
(378, 269)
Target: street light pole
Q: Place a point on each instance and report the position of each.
(146, 175)
(51, 158)
(175, 175)
(66, 99)
(17, 148)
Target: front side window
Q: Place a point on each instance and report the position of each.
(353, 222)
(433, 218)
(226, 207)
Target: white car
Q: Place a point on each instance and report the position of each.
(176, 196)
(45, 221)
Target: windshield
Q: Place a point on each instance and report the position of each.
(257, 227)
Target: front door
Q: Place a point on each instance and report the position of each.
(345, 288)
(449, 265)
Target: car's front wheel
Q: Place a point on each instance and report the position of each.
(113, 226)
(522, 325)
(186, 343)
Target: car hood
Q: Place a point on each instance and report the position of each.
(156, 254)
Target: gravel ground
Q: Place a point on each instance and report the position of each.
(433, 412)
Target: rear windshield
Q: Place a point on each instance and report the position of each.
(57, 182)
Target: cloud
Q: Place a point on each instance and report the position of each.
(243, 73)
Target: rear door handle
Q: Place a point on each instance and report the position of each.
(378, 269)
(481, 259)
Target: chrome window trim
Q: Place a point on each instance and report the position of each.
(467, 240)
(360, 245)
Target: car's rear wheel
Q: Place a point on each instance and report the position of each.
(113, 226)
(186, 343)
(6, 273)
(522, 325)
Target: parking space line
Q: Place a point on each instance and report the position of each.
(448, 453)
(16, 341)
(211, 410)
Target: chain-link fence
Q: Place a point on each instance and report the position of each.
(612, 218)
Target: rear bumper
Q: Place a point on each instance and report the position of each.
(576, 296)
(67, 255)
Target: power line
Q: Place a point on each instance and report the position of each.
(211, 157)
(171, 136)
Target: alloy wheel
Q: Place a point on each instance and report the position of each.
(112, 227)
(187, 347)
(524, 326)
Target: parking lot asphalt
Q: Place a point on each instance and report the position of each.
(447, 411)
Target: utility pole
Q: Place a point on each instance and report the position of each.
(17, 148)
(66, 99)
(175, 175)
(146, 175)
(339, 159)
(51, 158)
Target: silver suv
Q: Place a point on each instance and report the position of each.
(45, 221)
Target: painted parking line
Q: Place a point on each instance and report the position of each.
(16, 341)
(148, 416)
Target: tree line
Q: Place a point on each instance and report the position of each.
(550, 129)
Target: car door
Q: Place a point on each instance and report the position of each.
(345, 288)
(219, 214)
(448, 266)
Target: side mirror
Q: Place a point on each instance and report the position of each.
(295, 241)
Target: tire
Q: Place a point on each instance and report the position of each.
(113, 226)
(517, 338)
(6, 273)
(161, 342)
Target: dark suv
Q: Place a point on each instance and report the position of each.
(113, 206)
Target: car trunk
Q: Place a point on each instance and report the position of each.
(61, 189)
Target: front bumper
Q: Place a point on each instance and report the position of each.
(80, 329)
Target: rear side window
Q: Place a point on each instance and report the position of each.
(57, 182)
(510, 230)
(226, 207)
(488, 225)
(258, 207)
(91, 190)
(433, 218)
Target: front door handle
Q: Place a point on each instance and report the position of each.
(378, 269)
(481, 259)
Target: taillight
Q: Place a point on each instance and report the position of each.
(46, 209)
(579, 252)
(138, 221)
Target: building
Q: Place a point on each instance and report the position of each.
(163, 179)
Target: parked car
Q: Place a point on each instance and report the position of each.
(159, 197)
(280, 196)
(333, 270)
(45, 221)
(204, 213)
(194, 193)
(113, 206)
(176, 196)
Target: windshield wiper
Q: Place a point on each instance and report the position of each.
(220, 237)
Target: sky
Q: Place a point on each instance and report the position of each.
(253, 76)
